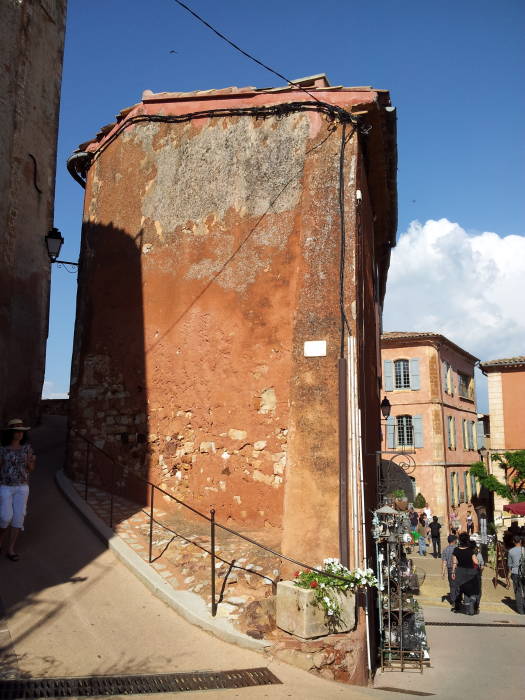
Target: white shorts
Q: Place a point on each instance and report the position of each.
(13, 501)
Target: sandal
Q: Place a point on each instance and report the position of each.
(13, 557)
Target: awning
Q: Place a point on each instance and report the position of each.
(515, 508)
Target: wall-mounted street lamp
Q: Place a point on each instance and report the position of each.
(385, 408)
(54, 241)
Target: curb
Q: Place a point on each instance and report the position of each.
(189, 605)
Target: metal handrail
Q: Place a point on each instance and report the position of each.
(211, 519)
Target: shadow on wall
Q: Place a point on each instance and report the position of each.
(108, 438)
(395, 477)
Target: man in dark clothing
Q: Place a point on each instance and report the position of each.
(434, 528)
(446, 565)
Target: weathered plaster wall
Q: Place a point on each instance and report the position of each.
(230, 234)
(31, 37)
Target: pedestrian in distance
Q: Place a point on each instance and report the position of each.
(16, 462)
(434, 528)
(465, 565)
(516, 564)
(470, 523)
(413, 517)
(446, 565)
(454, 521)
(422, 531)
(481, 564)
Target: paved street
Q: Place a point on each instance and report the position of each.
(72, 608)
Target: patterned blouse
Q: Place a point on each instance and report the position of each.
(13, 465)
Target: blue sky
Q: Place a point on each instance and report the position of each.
(455, 72)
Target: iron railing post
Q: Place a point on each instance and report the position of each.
(212, 537)
(86, 476)
(151, 504)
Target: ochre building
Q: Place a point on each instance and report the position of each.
(429, 382)
(234, 256)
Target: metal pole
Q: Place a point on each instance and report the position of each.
(343, 464)
(151, 504)
(86, 476)
(212, 534)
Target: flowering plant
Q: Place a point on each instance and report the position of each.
(326, 587)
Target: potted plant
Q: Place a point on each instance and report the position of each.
(400, 499)
(316, 604)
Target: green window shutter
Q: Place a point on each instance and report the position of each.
(390, 432)
(388, 375)
(449, 432)
(480, 435)
(417, 422)
(414, 374)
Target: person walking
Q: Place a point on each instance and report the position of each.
(16, 462)
(464, 576)
(434, 528)
(446, 565)
(481, 565)
(470, 523)
(422, 531)
(516, 556)
(454, 521)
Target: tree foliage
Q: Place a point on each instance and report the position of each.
(419, 501)
(513, 465)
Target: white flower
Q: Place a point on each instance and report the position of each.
(326, 600)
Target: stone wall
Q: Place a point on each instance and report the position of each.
(31, 37)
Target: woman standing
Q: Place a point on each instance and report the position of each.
(16, 462)
(465, 577)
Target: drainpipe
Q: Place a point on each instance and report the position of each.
(343, 462)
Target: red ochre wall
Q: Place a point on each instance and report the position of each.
(210, 255)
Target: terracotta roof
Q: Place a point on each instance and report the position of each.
(505, 362)
(411, 335)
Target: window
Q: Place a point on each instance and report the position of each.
(405, 431)
(473, 485)
(468, 486)
(466, 386)
(454, 489)
(468, 434)
(401, 374)
(451, 426)
(447, 378)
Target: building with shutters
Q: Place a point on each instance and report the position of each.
(506, 389)
(429, 382)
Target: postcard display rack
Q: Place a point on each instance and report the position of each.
(403, 640)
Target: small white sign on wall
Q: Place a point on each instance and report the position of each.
(315, 348)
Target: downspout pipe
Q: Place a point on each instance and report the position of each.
(344, 534)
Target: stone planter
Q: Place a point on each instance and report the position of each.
(296, 614)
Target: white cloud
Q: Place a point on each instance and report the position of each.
(469, 287)
(49, 391)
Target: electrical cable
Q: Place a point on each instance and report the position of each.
(80, 162)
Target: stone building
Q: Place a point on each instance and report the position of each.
(429, 382)
(32, 40)
(506, 388)
(233, 265)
